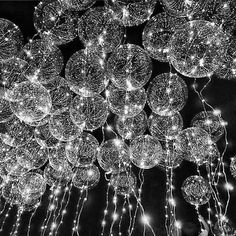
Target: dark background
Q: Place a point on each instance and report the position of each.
(219, 93)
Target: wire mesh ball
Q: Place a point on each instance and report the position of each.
(55, 23)
(130, 128)
(131, 13)
(194, 145)
(129, 67)
(98, 29)
(30, 101)
(16, 132)
(60, 93)
(82, 151)
(157, 34)
(86, 177)
(5, 110)
(80, 5)
(45, 60)
(145, 151)
(113, 156)
(196, 190)
(167, 94)
(89, 112)
(57, 177)
(196, 48)
(126, 103)
(44, 137)
(11, 40)
(124, 183)
(211, 123)
(233, 167)
(85, 73)
(32, 155)
(165, 127)
(62, 127)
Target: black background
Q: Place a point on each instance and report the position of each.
(219, 93)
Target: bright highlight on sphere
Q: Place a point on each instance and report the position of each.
(30, 101)
(113, 156)
(129, 67)
(126, 103)
(196, 48)
(167, 94)
(196, 190)
(145, 151)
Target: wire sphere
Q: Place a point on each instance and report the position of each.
(113, 156)
(62, 127)
(11, 40)
(126, 103)
(211, 123)
(30, 101)
(82, 151)
(5, 110)
(32, 155)
(60, 93)
(86, 177)
(16, 133)
(167, 94)
(129, 67)
(89, 112)
(233, 167)
(130, 128)
(32, 185)
(124, 183)
(55, 177)
(75, 5)
(194, 144)
(85, 73)
(131, 13)
(165, 127)
(100, 29)
(196, 190)
(145, 151)
(55, 23)
(196, 48)
(45, 60)
(158, 32)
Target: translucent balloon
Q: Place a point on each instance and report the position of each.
(30, 205)
(100, 29)
(5, 110)
(4, 150)
(82, 151)
(54, 177)
(44, 137)
(233, 167)
(145, 151)
(60, 93)
(57, 157)
(194, 145)
(78, 5)
(113, 155)
(86, 177)
(157, 34)
(54, 22)
(129, 67)
(165, 127)
(45, 60)
(16, 133)
(89, 112)
(30, 101)
(196, 190)
(85, 73)
(211, 123)
(167, 94)
(124, 183)
(11, 39)
(32, 185)
(196, 48)
(62, 127)
(131, 13)
(126, 103)
(130, 128)
(32, 155)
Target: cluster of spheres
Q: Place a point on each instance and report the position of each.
(52, 109)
